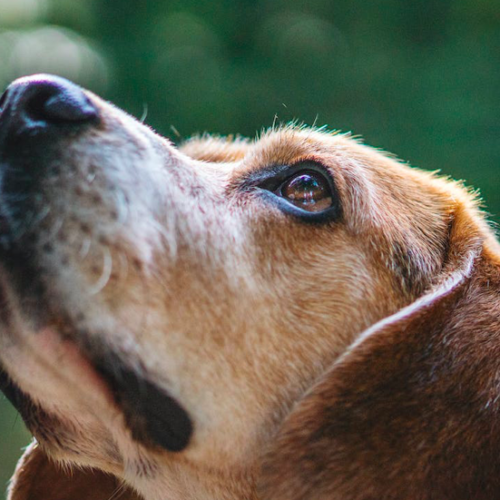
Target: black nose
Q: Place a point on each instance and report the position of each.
(45, 100)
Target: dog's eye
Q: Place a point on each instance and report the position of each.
(305, 190)
(308, 190)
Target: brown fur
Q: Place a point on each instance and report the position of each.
(412, 411)
(38, 478)
(355, 359)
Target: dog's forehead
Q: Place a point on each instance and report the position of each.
(283, 142)
(289, 145)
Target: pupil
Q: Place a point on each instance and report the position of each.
(305, 188)
(308, 191)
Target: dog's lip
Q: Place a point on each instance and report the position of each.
(154, 418)
(52, 345)
(66, 367)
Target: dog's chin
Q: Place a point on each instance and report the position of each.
(154, 418)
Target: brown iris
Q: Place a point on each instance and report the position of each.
(308, 190)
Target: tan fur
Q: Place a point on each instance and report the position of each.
(348, 360)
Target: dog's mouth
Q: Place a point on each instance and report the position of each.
(154, 418)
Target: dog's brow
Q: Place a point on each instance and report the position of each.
(274, 150)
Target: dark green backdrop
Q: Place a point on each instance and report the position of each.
(418, 78)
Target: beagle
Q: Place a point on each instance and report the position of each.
(298, 317)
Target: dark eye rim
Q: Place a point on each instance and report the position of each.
(272, 179)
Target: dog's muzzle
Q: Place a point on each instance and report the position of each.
(39, 117)
(36, 115)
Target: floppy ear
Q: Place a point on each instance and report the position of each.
(39, 478)
(412, 409)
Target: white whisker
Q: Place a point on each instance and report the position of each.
(122, 208)
(84, 250)
(107, 268)
(145, 110)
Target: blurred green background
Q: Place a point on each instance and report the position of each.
(418, 78)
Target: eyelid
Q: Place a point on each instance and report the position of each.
(276, 174)
(266, 182)
(258, 178)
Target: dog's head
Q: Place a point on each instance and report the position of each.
(167, 312)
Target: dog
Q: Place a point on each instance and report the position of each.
(295, 317)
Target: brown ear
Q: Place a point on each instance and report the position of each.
(39, 478)
(412, 409)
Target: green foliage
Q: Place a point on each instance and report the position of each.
(421, 79)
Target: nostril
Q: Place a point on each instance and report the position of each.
(34, 106)
(54, 102)
(70, 107)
